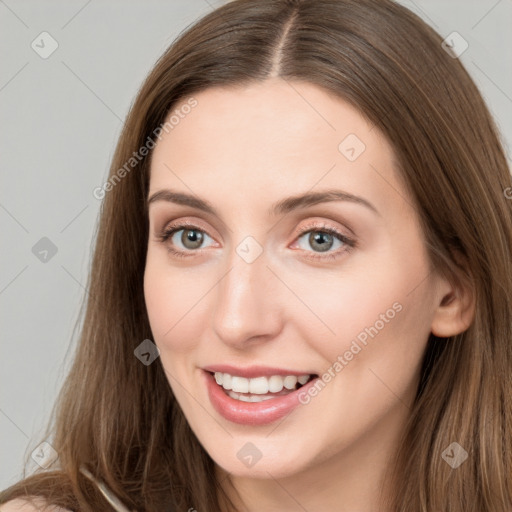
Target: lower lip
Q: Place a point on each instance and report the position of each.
(252, 413)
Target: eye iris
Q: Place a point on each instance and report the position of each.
(192, 235)
(319, 237)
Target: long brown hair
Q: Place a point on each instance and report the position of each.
(118, 417)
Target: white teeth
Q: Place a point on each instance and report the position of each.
(239, 384)
(275, 383)
(303, 379)
(225, 380)
(245, 398)
(290, 381)
(258, 385)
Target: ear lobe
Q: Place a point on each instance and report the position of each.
(455, 311)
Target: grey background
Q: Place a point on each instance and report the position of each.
(61, 117)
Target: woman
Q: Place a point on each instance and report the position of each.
(225, 363)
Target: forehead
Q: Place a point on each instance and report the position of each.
(272, 139)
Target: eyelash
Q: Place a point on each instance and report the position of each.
(321, 228)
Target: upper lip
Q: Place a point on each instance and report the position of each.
(253, 371)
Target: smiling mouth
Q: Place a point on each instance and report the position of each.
(261, 388)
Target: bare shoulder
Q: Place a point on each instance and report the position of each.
(20, 505)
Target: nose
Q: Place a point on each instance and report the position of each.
(248, 303)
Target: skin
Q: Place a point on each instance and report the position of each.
(242, 149)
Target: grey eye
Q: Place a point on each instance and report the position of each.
(190, 238)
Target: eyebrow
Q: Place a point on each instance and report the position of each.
(282, 207)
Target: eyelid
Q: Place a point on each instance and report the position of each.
(183, 224)
(320, 223)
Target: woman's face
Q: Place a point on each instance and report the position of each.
(264, 286)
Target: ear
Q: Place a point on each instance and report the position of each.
(456, 307)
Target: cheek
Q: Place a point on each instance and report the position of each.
(378, 360)
(344, 307)
(377, 316)
(176, 302)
